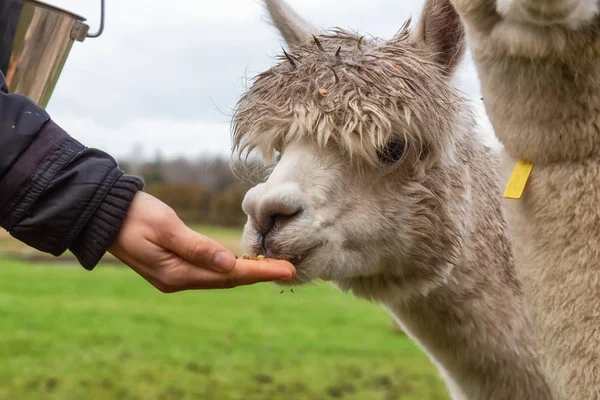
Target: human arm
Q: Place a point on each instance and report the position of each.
(57, 195)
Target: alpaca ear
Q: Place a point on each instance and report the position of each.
(292, 27)
(441, 31)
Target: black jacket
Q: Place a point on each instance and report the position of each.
(56, 194)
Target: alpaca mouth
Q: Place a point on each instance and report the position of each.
(301, 257)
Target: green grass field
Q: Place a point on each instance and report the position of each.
(66, 333)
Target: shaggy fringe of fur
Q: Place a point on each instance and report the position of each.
(340, 88)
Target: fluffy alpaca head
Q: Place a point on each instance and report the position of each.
(355, 92)
(367, 132)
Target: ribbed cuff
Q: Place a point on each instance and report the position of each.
(102, 229)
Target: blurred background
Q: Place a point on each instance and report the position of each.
(155, 91)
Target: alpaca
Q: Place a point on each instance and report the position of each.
(539, 66)
(381, 185)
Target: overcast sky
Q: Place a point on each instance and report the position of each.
(165, 74)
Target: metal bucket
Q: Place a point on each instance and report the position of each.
(35, 41)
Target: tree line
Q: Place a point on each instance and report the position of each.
(207, 190)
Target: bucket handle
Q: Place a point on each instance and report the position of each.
(101, 29)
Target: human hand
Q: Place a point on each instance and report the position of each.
(156, 244)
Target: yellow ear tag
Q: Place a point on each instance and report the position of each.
(518, 180)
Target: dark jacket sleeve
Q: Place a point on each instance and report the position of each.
(56, 194)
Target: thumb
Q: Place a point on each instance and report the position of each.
(199, 250)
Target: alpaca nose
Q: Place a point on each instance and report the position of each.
(270, 208)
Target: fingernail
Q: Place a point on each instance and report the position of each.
(224, 261)
(288, 277)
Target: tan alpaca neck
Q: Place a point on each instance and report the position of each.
(500, 364)
(474, 330)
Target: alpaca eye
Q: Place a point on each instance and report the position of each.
(392, 152)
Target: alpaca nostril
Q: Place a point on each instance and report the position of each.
(277, 220)
(271, 207)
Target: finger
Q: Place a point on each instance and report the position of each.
(250, 267)
(246, 272)
(249, 272)
(198, 249)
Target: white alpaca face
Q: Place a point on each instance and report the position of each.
(331, 220)
(368, 178)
